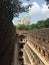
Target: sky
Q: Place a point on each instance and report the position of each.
(38, 11)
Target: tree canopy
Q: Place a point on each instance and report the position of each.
(40, 24)
(10, 8)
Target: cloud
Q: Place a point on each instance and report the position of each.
(45, 10)
(37, 9)
(24, 4)
(34, 9)
(36, 12)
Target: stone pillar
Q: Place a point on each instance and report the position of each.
(26, 59)
(16, 55)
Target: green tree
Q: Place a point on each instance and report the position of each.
(29, 27)
(32, 26)
(41, 24)
(21, 27)
(11, 8)
(47, 23)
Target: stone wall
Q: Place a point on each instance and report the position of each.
(36, 45)
(7, 42)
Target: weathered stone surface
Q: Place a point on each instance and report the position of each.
(7, 42)
(37, 46)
